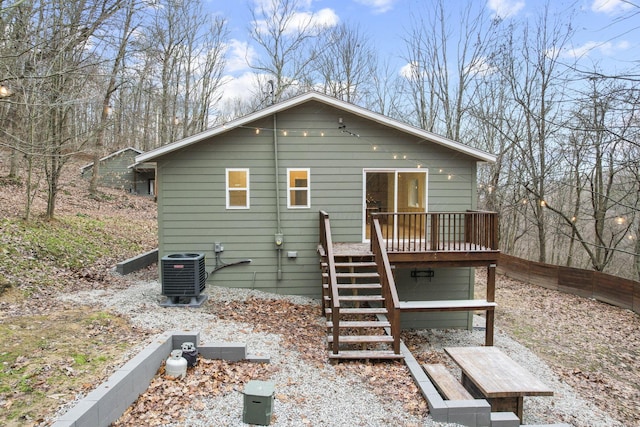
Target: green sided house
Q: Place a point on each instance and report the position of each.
(119, 170)
(318, 197)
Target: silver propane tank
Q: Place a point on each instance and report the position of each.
(176, 365)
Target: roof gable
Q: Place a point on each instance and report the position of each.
(334, 102)
(114, 154)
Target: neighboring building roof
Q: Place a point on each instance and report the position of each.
(334, 102)
(85, 167)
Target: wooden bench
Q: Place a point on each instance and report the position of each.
(456, 305)
(448, 386)
(447, 305)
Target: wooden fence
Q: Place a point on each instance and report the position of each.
(585, 283)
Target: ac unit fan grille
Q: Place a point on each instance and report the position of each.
(183, 275)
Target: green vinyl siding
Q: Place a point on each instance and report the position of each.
(447, 284)
(115, 172)
(191, 192)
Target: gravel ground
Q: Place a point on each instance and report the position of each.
(325, 395)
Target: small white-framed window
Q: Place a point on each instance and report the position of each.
(237, 188)
(298, 188)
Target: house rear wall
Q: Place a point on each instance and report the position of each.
(191, 193)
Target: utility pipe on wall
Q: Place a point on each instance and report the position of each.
(278, 236)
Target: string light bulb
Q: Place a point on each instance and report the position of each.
(4, 91)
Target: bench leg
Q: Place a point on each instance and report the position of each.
(507, 404)
(488, 333)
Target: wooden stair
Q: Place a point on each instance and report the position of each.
(362, 323)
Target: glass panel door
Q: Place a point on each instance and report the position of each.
(393, 191)
(380, 197)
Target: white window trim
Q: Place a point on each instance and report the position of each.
(228, 189)
(290, 188)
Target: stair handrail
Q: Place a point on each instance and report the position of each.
(387, 282)
(327, 244)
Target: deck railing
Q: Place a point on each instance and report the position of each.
(389, 292)
(327, 244)
(438, 231)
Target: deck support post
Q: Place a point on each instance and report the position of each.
(491, 297)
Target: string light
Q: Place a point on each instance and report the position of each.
(4, 91)
(374, 147)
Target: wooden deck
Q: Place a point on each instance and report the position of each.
(448, 255)
(463, 239)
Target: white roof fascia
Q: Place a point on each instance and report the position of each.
(363, 112)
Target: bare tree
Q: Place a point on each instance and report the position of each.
(179, 63)
(439, 93)
(287, 40)
(604, 124)
(534, 74)
(345, 62)
(127, 28)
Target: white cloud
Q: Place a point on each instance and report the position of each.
(239, 88)
(305, 21)
(238, 53)
(324, 18)
(480, 67)
(409, 71)
(505, 8)
(610, 7)
(378, 6)
(603, 48)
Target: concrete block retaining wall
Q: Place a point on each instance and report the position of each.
(110, 400)
(137, 262)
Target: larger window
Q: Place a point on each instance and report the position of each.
(298, 188)
(238, 189)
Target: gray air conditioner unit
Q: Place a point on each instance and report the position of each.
(184, 278)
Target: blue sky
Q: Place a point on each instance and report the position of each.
(602, 37)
